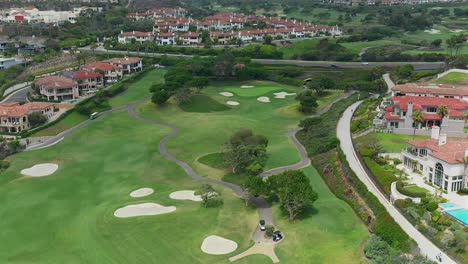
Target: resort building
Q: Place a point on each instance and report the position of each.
(168, 38)
(14, 116)
(435, 90)
(191, 38)
(87, 80)
(111, 73)
(57, 88)
(398, 116)
(440, 161)
(128, 65)
(138, 36)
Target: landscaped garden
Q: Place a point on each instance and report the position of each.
(454, 78)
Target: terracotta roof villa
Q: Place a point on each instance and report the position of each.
(129, 65)
(14, 116)
(398, 115)
(437, 90)
(57, 88)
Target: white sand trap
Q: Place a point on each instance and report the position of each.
(247, 86)
(282, 95)
(456, 30)
(40, 170)
(185, 195)
(432, 31)
(227, 94)
(232, 103)
(143, 209)
(216, 245)
(142, 192)
(263, 99)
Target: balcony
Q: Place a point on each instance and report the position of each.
(414, 154)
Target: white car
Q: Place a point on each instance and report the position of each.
(262, 225)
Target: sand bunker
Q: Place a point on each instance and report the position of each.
(40, 170)
(143, 209)
(185, 195)
(232, 103)
(216, 245)
(247, 86)
(141, 192)
(456, 30)
(432, 31)
(282, 95)
(227, 94)
(263, 99)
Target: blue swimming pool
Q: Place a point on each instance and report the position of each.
(448, 206)
(459, 214)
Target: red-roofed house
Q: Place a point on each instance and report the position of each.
(128, 65)
(57, 88)
(138, 36)
(86, 80)
(437, 90)
(14, 116)
(111, 73)
(398, 115)
(440, 160)
(191, 38)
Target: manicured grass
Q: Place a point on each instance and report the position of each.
(385, 176)
(260, 88)
(214, 160)
(298, 47)
(203, 104)
(139, 89)
(457, 78)
(67, 122)
(395, 142)
(416, 189)
(328, 233)
(356, 47)
(68, 217)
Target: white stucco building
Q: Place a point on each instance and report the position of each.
(441, 161)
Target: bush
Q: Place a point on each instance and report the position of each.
(377, 250)
(432, 206)
(269, 230)
(463, 191)
(4, 165)
(36, 119)
(396, 162)
(416, 194)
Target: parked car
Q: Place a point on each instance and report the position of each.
(277, 236)
(334, 66)
(262, 225)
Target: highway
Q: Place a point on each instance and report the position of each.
(331, 64)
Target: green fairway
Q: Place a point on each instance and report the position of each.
(329, 233)
(298, 47)
(356, 47)
(259, 88)
(203, 104)
(68, 217)
(67, 122)
(139, 89)
(456, 78)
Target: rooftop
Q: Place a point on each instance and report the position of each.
(54, 82)
(437, 89)
(17, 110)
(452, 152)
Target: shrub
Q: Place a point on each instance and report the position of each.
(4, 165)
(377, 249)
(36, 119)
(396, 161)
(417, 194)
(432, 206)
(463, 191)
(269, 230)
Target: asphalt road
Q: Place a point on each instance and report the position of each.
(343, 133)
(18, 96)
(329, 64)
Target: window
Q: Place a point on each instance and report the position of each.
(431, 109)
(423, 153)
(439, 173)
(394, 124)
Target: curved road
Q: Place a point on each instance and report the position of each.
(343, 132)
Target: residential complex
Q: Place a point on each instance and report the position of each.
(171, 27)
(6, 63)
(34, 15)
(72, 84)
(435, 90)
(441, 161)
(398, 116)
(14, 116)
(386, 2)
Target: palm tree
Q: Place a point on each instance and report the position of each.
(418, 118)
(442, 110)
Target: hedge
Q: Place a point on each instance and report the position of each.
(415, 194)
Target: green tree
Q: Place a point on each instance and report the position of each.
(244, 149)
(160, 97)
(199, 82)
(36, 119)
(436, 43)
(418, 119)
(307, 101)
(442, 110)
(208, 194)
(293, 190)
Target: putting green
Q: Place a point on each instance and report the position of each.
(259, 88)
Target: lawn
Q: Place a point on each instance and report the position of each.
(67, 122)
(416, 189)
(203, 104)
(393, 142)
(456, 78)
(260, 88)
(139, 89)
(329, 233)
(298, 47)
(356, 47)
(68, 217)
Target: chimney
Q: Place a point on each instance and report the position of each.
(442, 139)
(435, 132)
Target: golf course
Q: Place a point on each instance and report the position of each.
(68, 216)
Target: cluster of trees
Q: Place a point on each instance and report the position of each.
(245, 152)
(291, 189)
(188, 77)
(36, 119)
(8, 148)
(325, 50)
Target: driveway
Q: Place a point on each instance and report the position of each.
(18, 96)
(343, 132)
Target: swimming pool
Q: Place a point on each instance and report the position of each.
(459, 214)
(447, 206)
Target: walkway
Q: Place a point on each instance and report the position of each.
(19, 95)
(396, 195)
(389, 82)
(343, 132)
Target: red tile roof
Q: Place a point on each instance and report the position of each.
(390, 116)
(136, 34)
(54, 82)
(86, 75)
(452, 152)
(100, 66)
(123, 61)
(451, 103)
(435, 89)
(18, 110)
